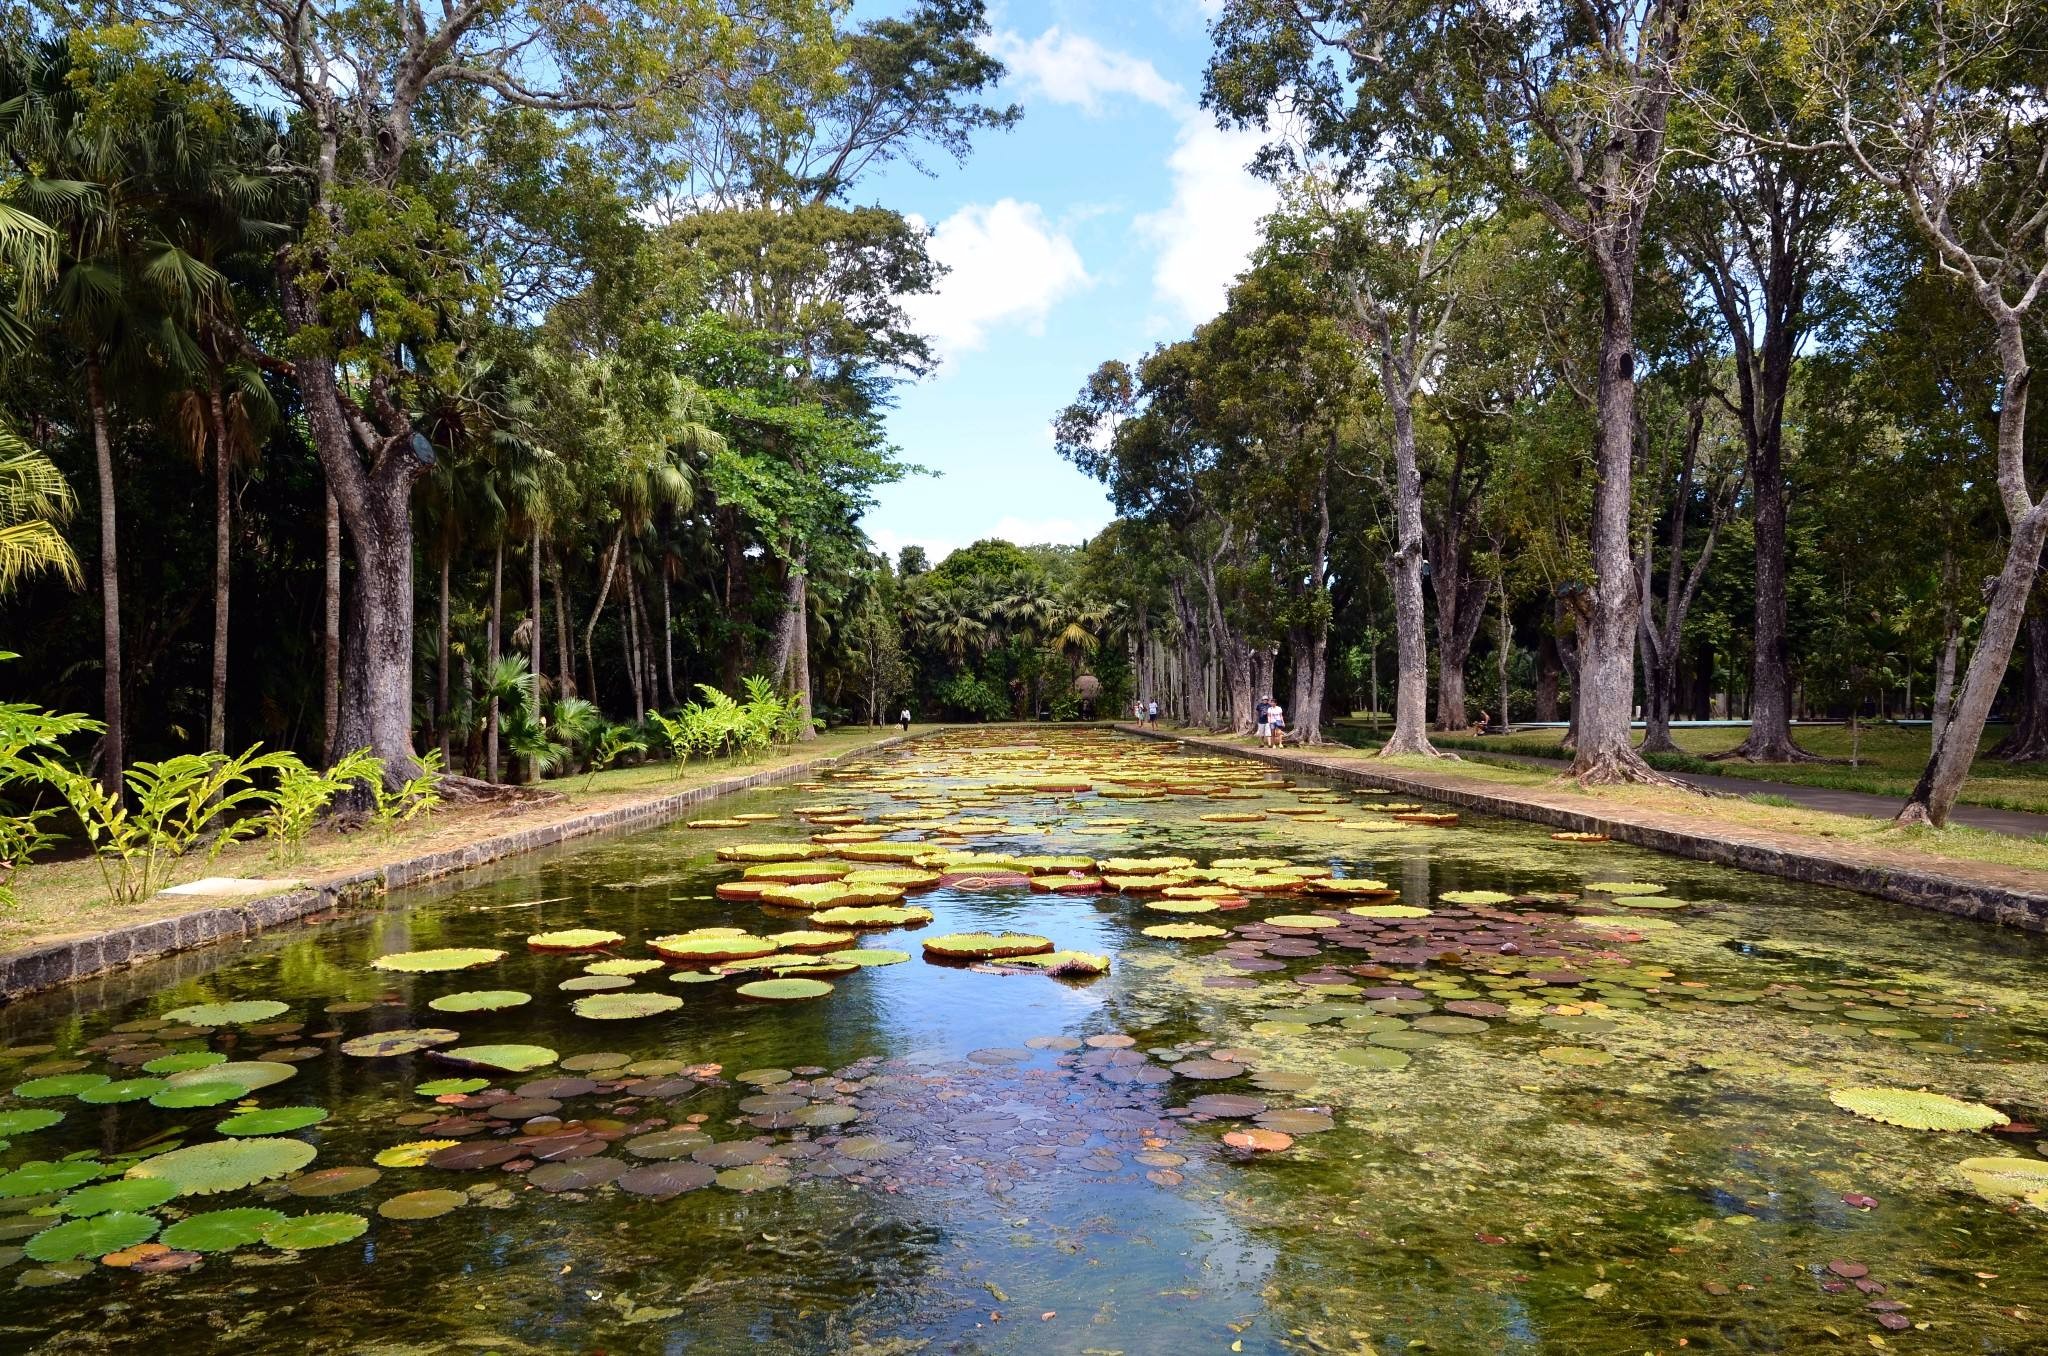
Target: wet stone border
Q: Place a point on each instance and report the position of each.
(54, 964)
(1978, 900)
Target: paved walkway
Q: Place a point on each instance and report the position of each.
(2019, 823)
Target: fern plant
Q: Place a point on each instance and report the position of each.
(303, 794)
(391, 806)
(613, 743)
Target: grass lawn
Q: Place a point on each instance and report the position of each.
(1889, 760)
(1930, 847)
(66, 897)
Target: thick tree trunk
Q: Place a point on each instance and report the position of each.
(441, 713)
(1603, 697)
(1186, 688)
(223, 536)
(115, 761)
(2028, 742)
(494, 631)
(330, 636)
(1953, 754)
(1262, 673)
(1549, 666)
(1411, 640)
(1233, 656)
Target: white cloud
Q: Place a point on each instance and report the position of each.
(1068, 68)
(1008, 265)
(1206, 235)
(1042, 531)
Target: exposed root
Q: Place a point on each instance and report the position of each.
(1766, 749)
(1621, 767)
(1914, 815)
(1417, 746)
(459, 790)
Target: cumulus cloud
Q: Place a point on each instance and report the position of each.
(1008, 266)
(1204, 237)
(1069, 68)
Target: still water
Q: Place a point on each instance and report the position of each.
(1560, 1112)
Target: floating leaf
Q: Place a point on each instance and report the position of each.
(878, 916)
(413, 1153)
(93, 1236)
(1388, 911)
(441, 958)
(228, 1014)
(274, 1121)
(1259, 1141)
(709, 950)
(60, 1085)
(1624, 887)
(190, 1095)
(2006, 1179)
(123, 1090)
(768, 852)
(29, 1121)
(431, 1204)
(1065, 964)
(575, 939)
(1185, 932)
(1481, 897)
(1916, 1110)
(498, 1058)
(184, 1062)
(249, 1074)
(450, 1087)
(784, 990)
(299, 1233)
(225, 1165)
(221, 1230)
(811, 943)
(35, 1178)
(985, 945)
(333, 1181)
(870, 956)
(128, 1193)
(487, 1000)
(620, 965)
(616, 1007)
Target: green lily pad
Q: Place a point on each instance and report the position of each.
(754, 1177)
(29, 1121)
(872, 917)
(1393, 910)
(451, 1087)
(498, 1058)
(2007, 1179)
(127, 1193)
(428, 1204)
(389, 1044)
(1372, 1058)
(123, 1090)
(36, 1178)
(221, 1230)
(184, 1062)
(228, 1014)
(1065, 964)
(273, 1121)
(1184, 932)
(985, 945)
(575, 939)
(249, 1074)
(225, 1165)
(868, 957)
(708, 950)
(594, 983)
(1624, 887)
(1482, 897)
(438, 959)
(1916, 1110)
(621, 965)
(93, 1236)
(482, 1000)
(784, 990)
(299, 1233)
(60, 1085)
(189, 1095)
(618, 1007)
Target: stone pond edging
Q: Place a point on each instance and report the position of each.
(1926, 888)
(54, 964)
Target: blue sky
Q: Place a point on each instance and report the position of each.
(1113, 216)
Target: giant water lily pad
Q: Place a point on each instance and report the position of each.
(1387, 911)
(221, 1230)
(784, 990)
(1184, 932)
(768, 852)
(1916, 1110)
(191, 1095)
(619, 1007)
(486, 1000)
(35, 1177)
(123, 1090)
(829, 895)
(2007, 1179)
(93, 1236)
(428, 1204)
(299, 1233)
(985, 945)
(1480, 897)
(1624, 887)
(277, 1120)
(709, 950)
(575, 939)
(225, 1165)
(497, 1058)
(250, 1075)
(867, 957)
(875, 918)
(438, 959)
(621, 965)
(183, 1062)
(388, 1044)
(126, 1193)
(28, 1121)
(228, 1014)
(1064, 964)
(59, 1085)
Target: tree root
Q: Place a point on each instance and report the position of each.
(1621, 767)
(1753, 750)
(460, 790)
(1418, 746)
(1913, 815)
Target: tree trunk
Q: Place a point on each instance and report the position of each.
(223, 521)
(668, 642)
(604, 588)
(1548, 667)
(494, 631)
(534, 639)
(1230, 651)
(115, 761)
(1953, 754)
(631, 636)
(330, 636)
(441, 713)
(2028, 741)
(1185, 689)
(1603, 697)
(1943, 703)
(565, 676)
(1502, 655)
(1411, 639)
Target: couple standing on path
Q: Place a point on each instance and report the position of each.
(1272, 723)
(1145, 713)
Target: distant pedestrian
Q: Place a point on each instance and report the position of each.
(1276, 725)
(1260, 724)
(1152, 713)
(903, 719)
(1138, 711)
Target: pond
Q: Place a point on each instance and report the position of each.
(1352, 1082)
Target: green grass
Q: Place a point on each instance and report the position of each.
(1889, 760)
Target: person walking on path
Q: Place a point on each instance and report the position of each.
(1276, 726)
(1259, 725)
(1138, 711)
(1152, 713)
(903, 719)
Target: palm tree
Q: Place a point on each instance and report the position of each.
(34, 502)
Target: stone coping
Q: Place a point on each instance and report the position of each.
(57, 963)
(2017, 901)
